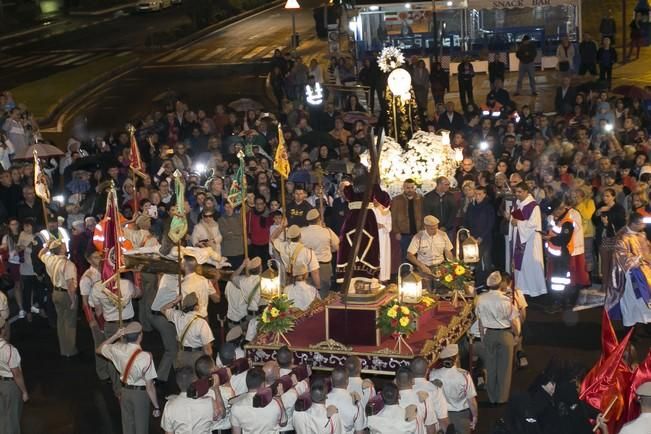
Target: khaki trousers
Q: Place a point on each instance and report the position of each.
(325, 275)
(498, 345)
(460, 420)
(134, 405)
(66, 323)
(11, 407)
(187, 358)
(167, 334)
(149, 282)
(101, 364)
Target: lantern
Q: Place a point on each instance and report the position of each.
(410, 287)
(399, 81)
(469, 248)
(292, 4)
(270, 282)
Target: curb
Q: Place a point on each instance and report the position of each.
(32, 30)
(102, 11)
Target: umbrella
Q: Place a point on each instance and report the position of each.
(43, 149)
(352, 117)
(631, 91)
(318, 138)
(244, 104)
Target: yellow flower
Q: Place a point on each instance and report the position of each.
(274, 312)
(448, 278)
(459, 270)
(392, 313)
(404, 310)
(427, 301)
(404, 321)
(265, 318)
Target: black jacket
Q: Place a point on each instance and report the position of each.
(443, 208)
(456, 124)
(588, 52)
(480, 219)
(527, 52)
(564, 104)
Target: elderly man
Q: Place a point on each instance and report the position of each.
(441, 204)
(63, 273)
(430, 247)
(293, 252)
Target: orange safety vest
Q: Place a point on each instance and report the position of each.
(556, 229)
(98, 235)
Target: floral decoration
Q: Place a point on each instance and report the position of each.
(277, 316)
(390, 58)
(453, 275)
(397, 318)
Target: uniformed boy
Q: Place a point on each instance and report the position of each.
(301, 292)
(423, 401)
(496, 314)
(293, 252)
(13, 392)
(349, 404)
(137, 374)
(458, 389)
(243, 292)
(187, 415)
(393, 418)
(90, 277)
(63, 274)
(192, 331)
(202, 287)
(168, 290)
(439, 407)
(323, 242)
(318, 419)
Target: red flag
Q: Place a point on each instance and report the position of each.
(607, 381)
(641, 375)
(609, 343)
(113, 259)
(135, 162)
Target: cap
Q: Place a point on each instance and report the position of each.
(133, 327)
(299, 270)
(449, 351)
(61, 220)
(494, 279)
(293, 232)
(312, 214)
(234, 333)
(430, 220)
(189, 301)
(254, 263)
(54, 245)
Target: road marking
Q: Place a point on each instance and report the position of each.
(75, 59)
(38, 59)
(191, 54)
(235, 53)
(92, 59)
(122, 54)
(170, 56)
(213, 53)
(269, 53)
(255, 52)
(14, 60)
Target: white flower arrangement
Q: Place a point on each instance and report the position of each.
(427, 156)
(390, 58)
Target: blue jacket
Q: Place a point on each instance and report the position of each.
(480, 219)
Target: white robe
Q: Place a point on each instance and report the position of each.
(384, 239)
(634, 310)
(531, 278)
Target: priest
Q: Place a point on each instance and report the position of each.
(526, 243)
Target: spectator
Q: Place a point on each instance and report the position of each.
(527, 54)
(565, 54)
(607, 57)
(588, 55)
(465, 75)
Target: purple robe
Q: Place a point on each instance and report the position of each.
(518, 247)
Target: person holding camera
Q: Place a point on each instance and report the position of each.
(137, 374)
(458, 389)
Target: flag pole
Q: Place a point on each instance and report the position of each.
(116, 234)
(38, 173)
(180, 264)
(243, 212)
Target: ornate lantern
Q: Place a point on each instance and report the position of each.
(270, 281)
(410, 287)
(469, 247)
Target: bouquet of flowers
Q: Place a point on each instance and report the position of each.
(276, 318)
(453, 275)
(397, 318)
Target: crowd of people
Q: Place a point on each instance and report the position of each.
(547, 198)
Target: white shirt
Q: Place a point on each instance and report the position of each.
(263, 420)
(641, 425)
(437, 402)
(9, 359)
(98, 298)
(211, 233)
(289, 255)
(321, 240)
(391, 420)
(239, 291)
(26, 267)
(183, 415)
(495, 310)
(301, 293)
(198, 333)
(426, 414)
(60, 269)
(168, 289)
(458, 387)
(88, 280)
(193, 283)
(142, 370)
(315, 420)
(355, 385)
(226, 392)
(430, 250)
(352, 415)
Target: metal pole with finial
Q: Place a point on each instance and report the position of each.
(245, 238)
(113, 198)
(132, 132)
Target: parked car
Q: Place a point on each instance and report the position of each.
(153, 5)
